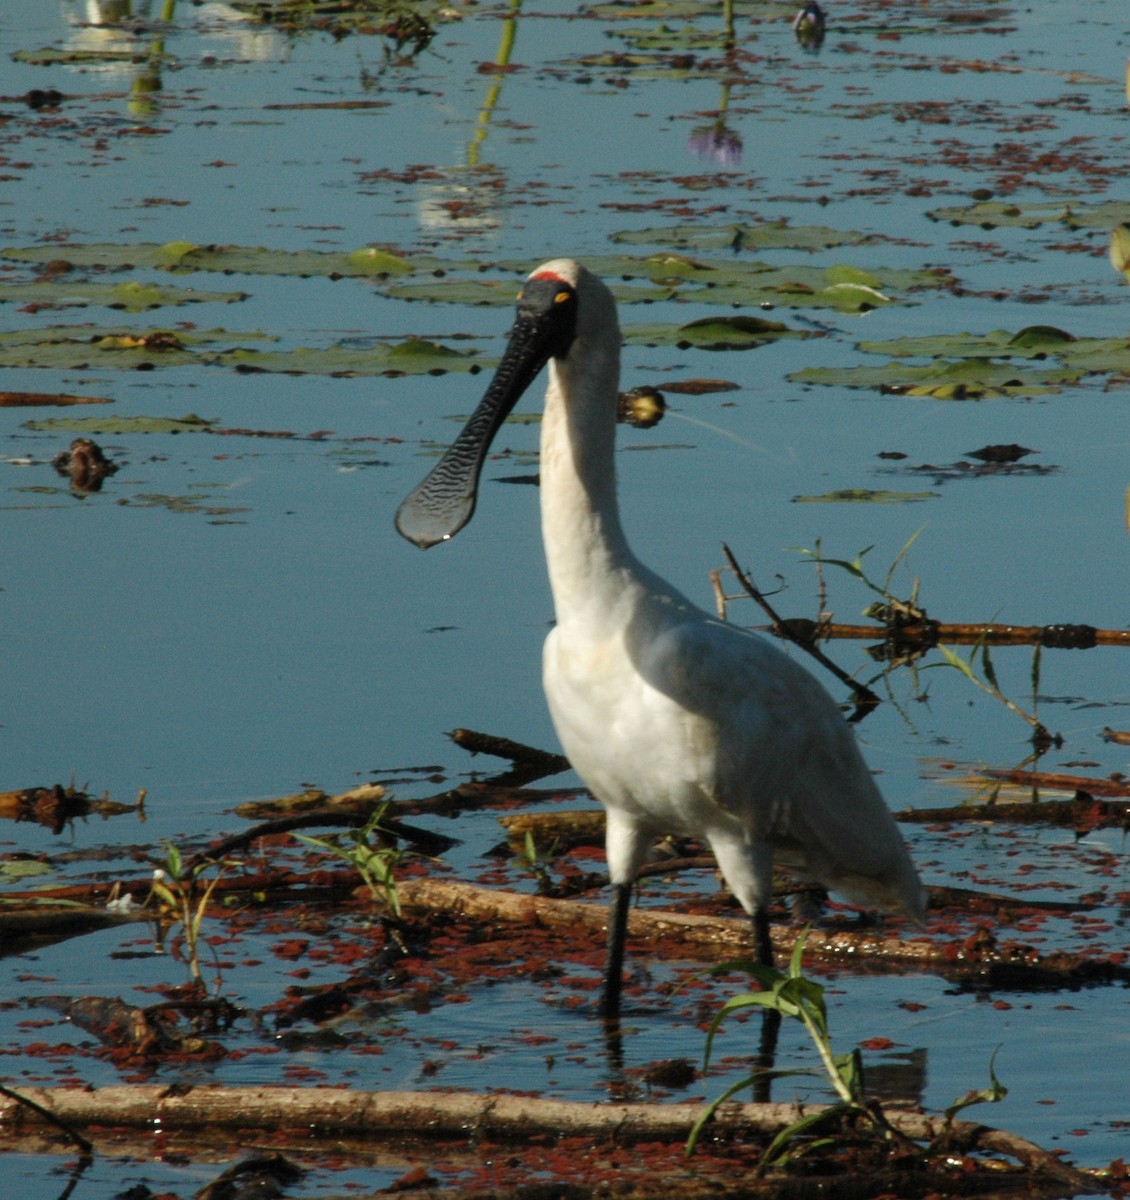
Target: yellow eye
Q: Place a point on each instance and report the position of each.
(561, 297)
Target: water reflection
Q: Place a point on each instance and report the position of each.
(717, 141)
(468, 196)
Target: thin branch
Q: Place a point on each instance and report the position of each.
(865, 698)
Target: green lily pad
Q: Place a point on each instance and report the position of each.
(17, 869)
(730, 283)
(1034, 341)
(53, 56)
(992, 214)
(1079, 355)
(1120, 249)
(769, 235)
(83, 347)
(407, 25)
(712, 333)
(967, 379)
(967, 366)
(413, 356)
(367, 262)
(131, 297)
(197, 502)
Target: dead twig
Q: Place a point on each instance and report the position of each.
(865, 698)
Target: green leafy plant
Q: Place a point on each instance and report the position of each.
(183, 895)
(366, 847)
(531, 861)
(995, 1092)
(790, 994)
(896, 613)
(991, 687)
(891, 606)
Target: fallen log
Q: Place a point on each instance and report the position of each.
(460, 1116)
(979, 959)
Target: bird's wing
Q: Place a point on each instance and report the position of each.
(781, 756)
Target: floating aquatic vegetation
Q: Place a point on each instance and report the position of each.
(128, 297)
(993, 214)
(981, 366)
(83, 347)
(366, 262)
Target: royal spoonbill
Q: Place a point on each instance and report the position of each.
(676, 721)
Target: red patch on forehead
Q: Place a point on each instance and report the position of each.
(548, 275)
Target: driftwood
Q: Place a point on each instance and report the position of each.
(458, 1117)
(1117, 786)
(1083, 812)
(501, 747)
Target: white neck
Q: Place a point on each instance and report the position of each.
(591, 568)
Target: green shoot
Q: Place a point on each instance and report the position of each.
(790, 994)
(989, 685)
(177, 889)
(375, 863)
(993, 1094)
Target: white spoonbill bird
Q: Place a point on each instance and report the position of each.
(676, 721)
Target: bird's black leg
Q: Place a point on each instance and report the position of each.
(618, 907)
(770, 1019)
(762, 941)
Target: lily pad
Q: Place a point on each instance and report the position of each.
(130, 297)
(992, 214)
(413, 356)
(367, 262)
(51, 56)
(83, 347)
(967, 379)
(732, 283)
(768, 235)
(969, 366)
(408, 24)
(713, 333)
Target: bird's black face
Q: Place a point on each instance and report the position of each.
(545, 328)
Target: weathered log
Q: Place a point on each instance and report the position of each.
(459, 1116)
(979, 958)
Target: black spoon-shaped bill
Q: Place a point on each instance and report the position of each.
(445, 501)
